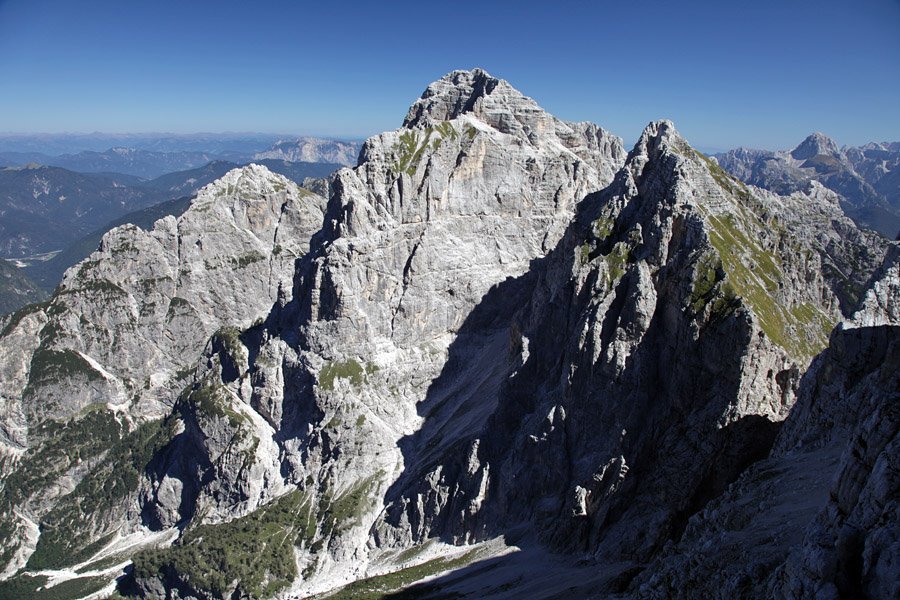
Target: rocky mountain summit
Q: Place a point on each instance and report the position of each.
(110, 350)
(502, 337)
(866, 177)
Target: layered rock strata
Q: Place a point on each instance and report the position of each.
(124, 331)
(503, 328)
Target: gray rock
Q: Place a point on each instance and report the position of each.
(125, 328)
(307, 149)
(503, 329)
(867, 178)
(816, 518)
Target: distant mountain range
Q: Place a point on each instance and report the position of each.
(214, 143)
(149, 164)
(308, 149)
(44, 208)
(867, 177)
(129, 161)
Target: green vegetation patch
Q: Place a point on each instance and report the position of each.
(148, 284)
(65, 444)
(754, 273)
(602, 228)
(616, 262)
(184, 372)
(230, 339)
(85, 268)
(348, 369)
(25, 587)
(103, 287)
(52, 366)
(212, 400)
(16, 316)
(381, 586)
(413, 143)
(177, 305)
(408, 152)
(344, 511)
(584, 253)
(249, 557)
(755, 284)
(64, 540)
(706, 277)
(242, 261)
(711, 288)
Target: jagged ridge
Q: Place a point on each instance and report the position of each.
(489, 335)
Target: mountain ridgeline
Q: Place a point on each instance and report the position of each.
(866, 177)
(53, 211)
(501, 340)
(150, 158)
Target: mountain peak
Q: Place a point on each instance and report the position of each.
(655, 134)
(814, 145)
(451, 95)
(250, 180)
(476, 92)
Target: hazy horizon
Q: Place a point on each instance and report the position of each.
(764, 75)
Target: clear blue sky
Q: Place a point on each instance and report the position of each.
(761, 74)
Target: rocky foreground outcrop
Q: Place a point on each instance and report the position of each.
(817, 518)
(504, 331)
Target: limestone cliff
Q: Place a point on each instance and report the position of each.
(125, 328)
(489, 333)
(817, 517)
(501, 330)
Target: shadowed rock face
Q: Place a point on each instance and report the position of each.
(817, 517)
(852, 400)
(502, 324)
(637, 383)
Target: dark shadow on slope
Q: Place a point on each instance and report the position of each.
(527, 573)
(183, 459)
(537, 429)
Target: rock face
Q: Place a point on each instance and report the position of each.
(866, 177)
(307, 149)
(437, 215)
(817, 518)
(504, 328)
(652, 272)
(852, 399)
(520, 338)
(146, 302)
(126, 326)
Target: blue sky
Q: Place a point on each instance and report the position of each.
(763, 74)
